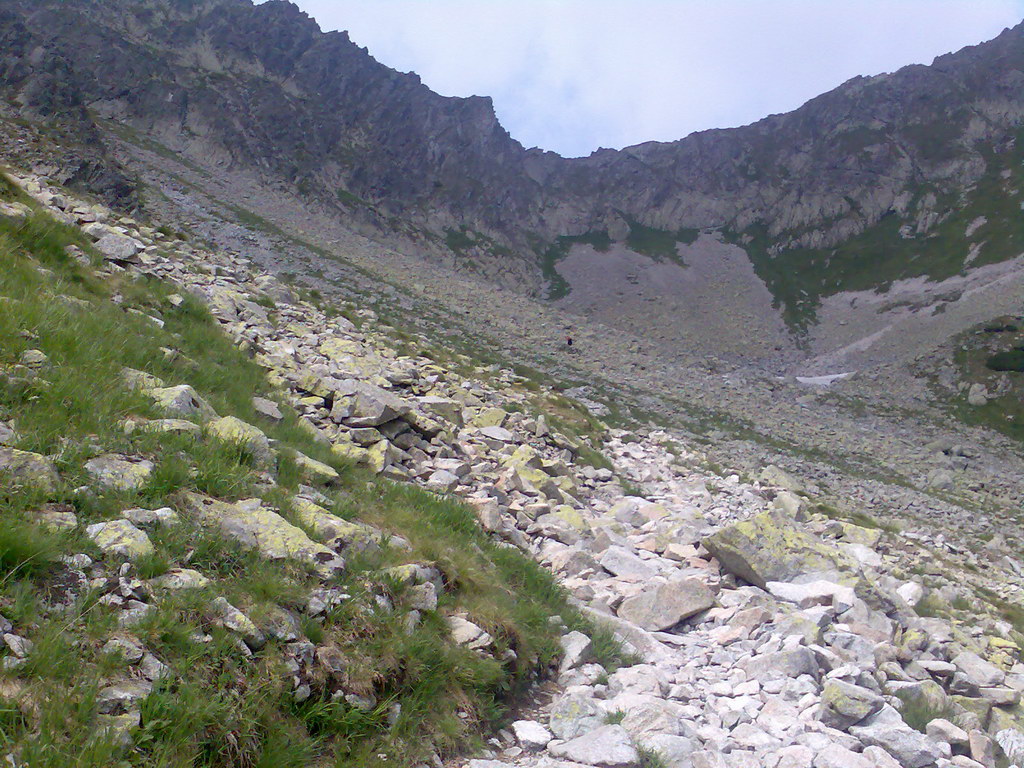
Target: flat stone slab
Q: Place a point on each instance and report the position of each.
(610, 746)
(119, 473)
(120, 538)
(667, 604)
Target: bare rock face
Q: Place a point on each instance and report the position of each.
(274, 95)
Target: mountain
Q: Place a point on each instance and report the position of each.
(899, 176)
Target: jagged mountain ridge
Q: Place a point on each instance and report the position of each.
(260, 87)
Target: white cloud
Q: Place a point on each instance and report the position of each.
(573, 75)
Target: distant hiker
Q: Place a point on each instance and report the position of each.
(568, 341)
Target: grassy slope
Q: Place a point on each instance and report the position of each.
(220, 708)
(974, 350)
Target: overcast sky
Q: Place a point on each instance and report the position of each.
(575, 75)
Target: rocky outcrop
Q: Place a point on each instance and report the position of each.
(320, 115)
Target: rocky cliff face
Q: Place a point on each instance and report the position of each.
(261, 88)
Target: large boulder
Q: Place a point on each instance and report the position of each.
(844, 704)
(974, 673)
(257, 527)
(667, 604)
(609, 746)
(769, 547)
(371, 406)
(115, 247)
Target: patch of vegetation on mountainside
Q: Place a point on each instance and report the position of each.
(656, 244)
(558, 287)
(990, 358)
(464, 240)
(799, 278)
(659, 244)
(66, 334)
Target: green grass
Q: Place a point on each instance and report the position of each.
(990, 354)
(220, 708)
(351, 200)
(658, 244)
(651, 759)
(1007, 361)
(918, 712)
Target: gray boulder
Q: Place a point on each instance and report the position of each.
(887, 730)
(667, 604)
(607, 747)
(771, 547)
(844, 704)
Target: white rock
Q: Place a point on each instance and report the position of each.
(531, 735)
(607, 747)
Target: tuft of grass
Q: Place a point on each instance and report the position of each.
(650, 758)
(931, 606)
(1007, 361)
(25, 550)
(917, 712)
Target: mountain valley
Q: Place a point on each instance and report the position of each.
(298, 469)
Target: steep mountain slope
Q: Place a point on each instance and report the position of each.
(911, 174)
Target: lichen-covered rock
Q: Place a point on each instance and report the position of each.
(120, 473)
(28, 469)
(255, 526)
(141, 380)
(224, 614)
(181, 401)
(314, 471)
(443, 408)
(769, 547)
(844, 704)
(121, 539)
(180, 578)
(163, 426)
(341, 534)
(234, 431)
(350, 452)
(57, 517)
